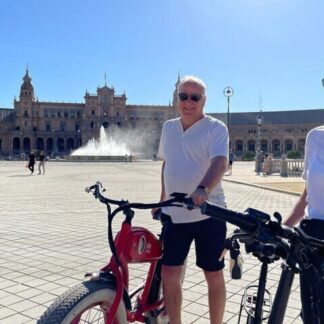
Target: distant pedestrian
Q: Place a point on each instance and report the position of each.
(231, 159)
(41, 162)
(31, 162)
(267, 164)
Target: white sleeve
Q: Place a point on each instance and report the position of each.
(218, 141)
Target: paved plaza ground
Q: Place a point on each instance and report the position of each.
(52, 232)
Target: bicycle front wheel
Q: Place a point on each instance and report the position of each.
(88, 302)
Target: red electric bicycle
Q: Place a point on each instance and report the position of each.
(104, 297)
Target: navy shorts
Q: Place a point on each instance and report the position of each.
(209, 236)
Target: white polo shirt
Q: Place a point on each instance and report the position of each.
(314, 173)
(187, 155)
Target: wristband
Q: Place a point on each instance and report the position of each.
(206, 189)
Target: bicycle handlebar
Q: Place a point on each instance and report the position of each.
(242, 220)
(250, 221)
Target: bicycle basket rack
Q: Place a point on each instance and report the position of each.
(249, 299)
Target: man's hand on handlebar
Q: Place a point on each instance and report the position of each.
(199, 196)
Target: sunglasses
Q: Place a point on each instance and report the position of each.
(194, 97)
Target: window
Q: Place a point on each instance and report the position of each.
(48, 126)
(62, 126)
(93, 113)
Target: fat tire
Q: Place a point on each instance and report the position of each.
(79, 298)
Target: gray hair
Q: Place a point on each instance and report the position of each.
(194, 80)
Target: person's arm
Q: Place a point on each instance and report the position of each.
(212, 177)
(298, 211)
(162, 196)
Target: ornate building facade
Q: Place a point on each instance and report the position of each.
(275, 132)
(58, 127)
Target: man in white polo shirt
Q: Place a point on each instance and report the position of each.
(194, 149)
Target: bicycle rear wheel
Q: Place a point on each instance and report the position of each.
(88, 302)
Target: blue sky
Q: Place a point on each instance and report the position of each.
(273, 49)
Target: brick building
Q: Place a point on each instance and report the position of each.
(59, 127)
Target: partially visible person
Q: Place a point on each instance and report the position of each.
(309, 209)
(231, 159)
(41, 163)
(266, 164)
(194, 149)
(31, 162)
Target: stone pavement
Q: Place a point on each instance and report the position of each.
(52, 232)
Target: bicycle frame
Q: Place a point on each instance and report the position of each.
(133, 245)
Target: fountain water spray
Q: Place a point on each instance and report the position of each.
(107, 144)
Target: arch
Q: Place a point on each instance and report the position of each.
(276, 146)
(264, 145)
(60, 145)
(289, 146)
(40, 144)
(26, 145)
(105, 124)
(238, 148)
(50, 145)
(70, 144)
(16, 145)
(251, 145)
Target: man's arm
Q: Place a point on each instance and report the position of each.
(212, 177)
(298, 211)
(162, 196)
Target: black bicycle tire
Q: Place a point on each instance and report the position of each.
(81, 297)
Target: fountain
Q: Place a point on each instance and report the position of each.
(109, 147)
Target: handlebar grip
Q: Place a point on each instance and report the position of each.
(226, 215)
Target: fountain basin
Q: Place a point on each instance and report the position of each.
(101, 158)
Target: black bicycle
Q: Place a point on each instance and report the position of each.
(269, 240)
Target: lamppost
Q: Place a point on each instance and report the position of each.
(228, 92)
(258, 147)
